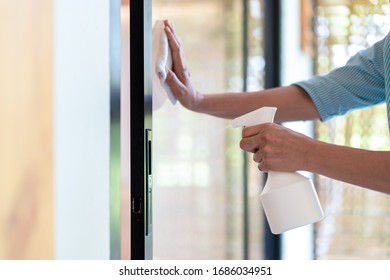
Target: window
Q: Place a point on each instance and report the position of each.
(357, 224)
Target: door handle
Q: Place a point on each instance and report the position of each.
(149, 181)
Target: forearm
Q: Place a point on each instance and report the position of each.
(369, 169)
(292, 102)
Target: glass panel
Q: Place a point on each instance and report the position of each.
(357, 224)
(198, 203)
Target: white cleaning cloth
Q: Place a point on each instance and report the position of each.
(162, 59)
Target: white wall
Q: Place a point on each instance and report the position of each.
(296, 66)
(81, 125)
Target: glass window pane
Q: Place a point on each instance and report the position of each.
(198, 192)
(357, 224)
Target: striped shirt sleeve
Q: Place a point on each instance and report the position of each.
(358, 84)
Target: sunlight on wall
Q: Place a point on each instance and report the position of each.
(26, 181)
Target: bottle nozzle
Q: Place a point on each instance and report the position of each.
(259, 116)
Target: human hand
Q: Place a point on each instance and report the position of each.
(178, 79)
(276, 148)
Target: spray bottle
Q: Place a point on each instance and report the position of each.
(288, 198)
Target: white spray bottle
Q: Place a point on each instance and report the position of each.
(288, 198)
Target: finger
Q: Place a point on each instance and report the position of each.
(172, 36)
(249, 145)
(170, 25)
(179, 65)
(251, 131)
(257, 157)
(262, 167)
(174, 42)
(173, 30)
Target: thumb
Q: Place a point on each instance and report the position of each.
(173, 82)
(178, 89)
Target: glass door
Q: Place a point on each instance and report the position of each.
(202, 210)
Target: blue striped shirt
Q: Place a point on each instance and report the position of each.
(364, 81)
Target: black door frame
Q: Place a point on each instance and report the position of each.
(272, 39)
(140, 130)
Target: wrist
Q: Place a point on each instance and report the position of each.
(198, 102)
(311, 155)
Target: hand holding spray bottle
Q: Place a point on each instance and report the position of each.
(288, 198)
